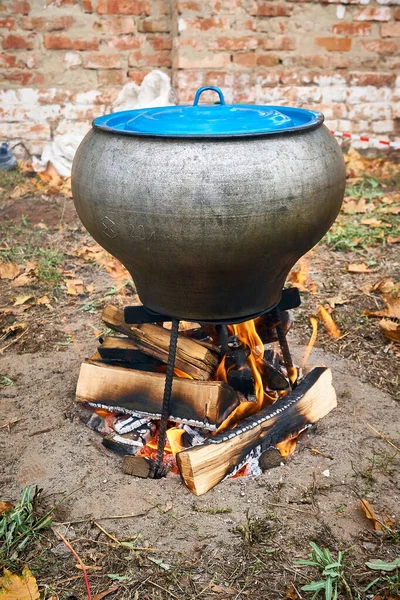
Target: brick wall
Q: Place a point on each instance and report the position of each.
(65, 64)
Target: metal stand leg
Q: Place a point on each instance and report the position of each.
(162, 434)
(287, 357)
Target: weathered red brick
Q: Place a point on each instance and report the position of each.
(115, 25)
(195, 42)
(154, 59)
(125, 42)
(189, 6)
(376, 79)
(266, 8)
(23, 78)
(20, 7)
(279, 43)
(110, 77)
(160, 42)
(87, 6)
(100, 60)
(7, 23)
(137, 76)
(43, 24)
(370, 13)
(205, 24)
(154, 25)
(267, 60)
(350, 28)
(233, 43)
(390, 30)
(161, 7)
(248, 24)
(18, 42)
(334, 44)
(9, 61)
(54, 41)
(218, 60)
(123, 7)
(245, 59)
(380, 46)
(397, 14)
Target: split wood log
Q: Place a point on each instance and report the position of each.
(203, 466)
(123, 349)
(191, 357)
(200, 403)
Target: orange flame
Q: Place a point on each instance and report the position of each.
(299, 278)
(314, 324)
(174, 436)
(247, 334)
(287, 447)
(330, 325)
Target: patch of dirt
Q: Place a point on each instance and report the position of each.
(247, 551)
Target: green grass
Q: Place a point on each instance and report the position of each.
(10, 179)
(6, 381)
(368, 188)
(21, 525)
(348, 233)
(49, 260)
(331, 573)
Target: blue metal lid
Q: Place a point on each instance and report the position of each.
(210, 120)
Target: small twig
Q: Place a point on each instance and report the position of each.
(293, 508)
(164, 589)
(384, 438)
(12, 422)
(114, 539)
(315, 451)
(40, 431)
(88, 519)
(85, 577)
(14, 340)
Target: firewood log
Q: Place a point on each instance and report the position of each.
(191, 357)
(203, 466)
(202, 403)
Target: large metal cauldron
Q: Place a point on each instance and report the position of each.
(209, 206)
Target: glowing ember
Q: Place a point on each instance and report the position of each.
(287, 447)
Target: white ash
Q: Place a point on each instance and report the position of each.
(125, 424)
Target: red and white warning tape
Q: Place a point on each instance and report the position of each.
(364, 138)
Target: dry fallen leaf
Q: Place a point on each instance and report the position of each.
(220, 589)
(74, 287)
(18, 300)
(291, 593)
(390, 330)
(358, 268)
(393, 240)
(370, 514)
(5, 506)
(90, 288)
(385, 286)
(393, 210)
(392, 309)
(24, 279)
(354, 206)
(371, 222)
(15, 587)
(106, 592)
(9, 270)
(336, 301)
(11, 329)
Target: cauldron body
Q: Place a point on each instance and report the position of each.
(208, 228)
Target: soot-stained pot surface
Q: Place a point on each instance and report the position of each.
(209, 206)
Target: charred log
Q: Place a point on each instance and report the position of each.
(203, 466)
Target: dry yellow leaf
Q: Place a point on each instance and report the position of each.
(11, 329)
(18, 587)
(24, 279)
(43, 300)
(370, 514)
(358, 268)
(74, 287)
(386, 286)
(390, 330)
(9, 270)
(18, 300)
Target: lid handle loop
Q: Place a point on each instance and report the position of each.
(208, 87)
